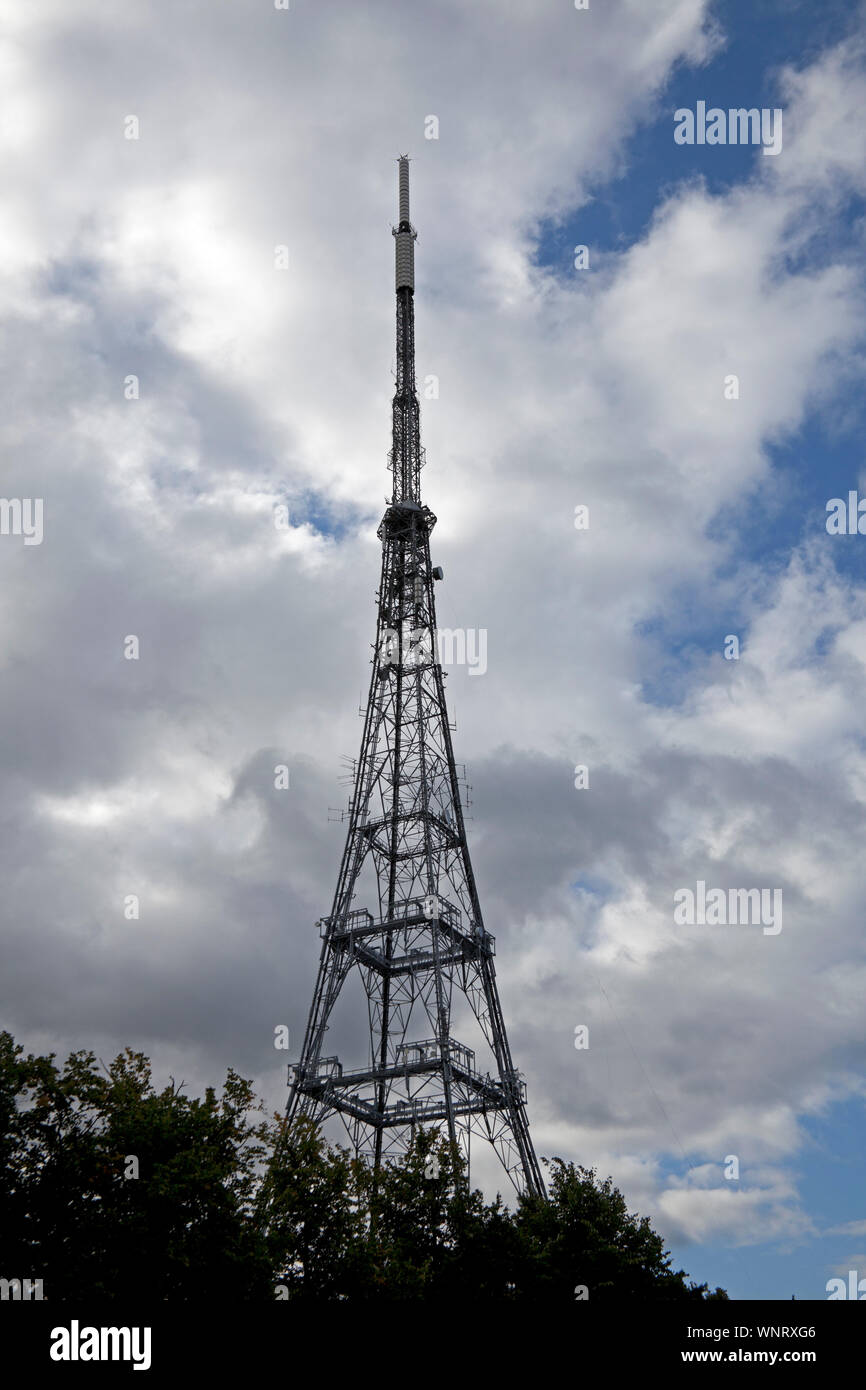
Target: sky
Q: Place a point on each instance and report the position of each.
(262, 378)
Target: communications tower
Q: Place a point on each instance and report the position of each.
(405, 924)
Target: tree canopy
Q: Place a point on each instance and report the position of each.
(110, 1189)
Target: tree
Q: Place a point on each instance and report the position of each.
(312, 1208)
(114, 1190)
(585, 1237)
(431, 1236)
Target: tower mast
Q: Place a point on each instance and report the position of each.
(423, 955)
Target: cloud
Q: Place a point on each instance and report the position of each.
(849, 1228)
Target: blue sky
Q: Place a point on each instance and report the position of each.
(760, 38)
(830, 1179)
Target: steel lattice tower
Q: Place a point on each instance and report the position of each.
(422, 953)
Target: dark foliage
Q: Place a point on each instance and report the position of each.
(112, 1190)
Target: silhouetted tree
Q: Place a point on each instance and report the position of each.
(584, 1237)
(112, 1190)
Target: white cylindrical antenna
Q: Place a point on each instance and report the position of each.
(404, 188)
(404, 234)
